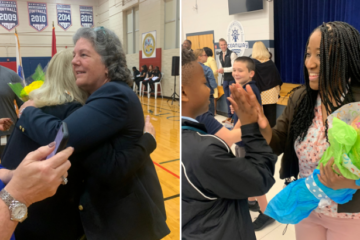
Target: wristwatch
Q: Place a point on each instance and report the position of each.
(18, 210)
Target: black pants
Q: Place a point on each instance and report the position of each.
(270, 113)
(145, 83)
(138, 80)
(152, 84)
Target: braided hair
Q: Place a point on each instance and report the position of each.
(339, 68)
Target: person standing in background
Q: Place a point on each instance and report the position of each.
(7, 97)
(201, 57)
(187, 45)
(227, 58)
(268, 80)
(211, 63)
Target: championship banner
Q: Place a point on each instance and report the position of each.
(64, 15)
(86, 16)
(149, 45)
(38, 15)
(8, 15)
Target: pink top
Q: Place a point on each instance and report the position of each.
(309, 153)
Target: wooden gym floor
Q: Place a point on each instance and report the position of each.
(166, 119)
(285, 89)
(166, 157)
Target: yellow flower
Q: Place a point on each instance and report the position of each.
(31, 87)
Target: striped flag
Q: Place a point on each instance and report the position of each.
(19, 67)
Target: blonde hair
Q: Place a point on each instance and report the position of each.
(198, 52)
(59, 86)
(260, 52)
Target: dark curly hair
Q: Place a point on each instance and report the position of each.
(208, 51)
(187, 60)
(339, 62)
(109, 47)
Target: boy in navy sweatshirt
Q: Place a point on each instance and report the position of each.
(243, 72)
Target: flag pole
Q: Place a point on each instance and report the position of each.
(53, 42)
(19, 68)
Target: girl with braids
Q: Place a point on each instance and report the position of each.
(332, 79)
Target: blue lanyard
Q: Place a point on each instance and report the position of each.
(193, 129)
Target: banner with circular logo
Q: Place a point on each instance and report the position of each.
(38, 15)
(86, 16)
(8, 15)
(236, 38)
(63, 15)
(149, 45)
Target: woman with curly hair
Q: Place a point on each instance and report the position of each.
(120, 196)
(332, 79)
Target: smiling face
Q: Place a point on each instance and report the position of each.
(223, 45)
(312, 59)
(89, 70)
(186, 45)
(241, 73)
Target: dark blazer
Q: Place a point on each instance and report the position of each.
(281, 142)
(48, 219)
(122, 196)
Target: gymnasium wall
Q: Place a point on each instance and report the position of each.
(112, 14)
(36, 46)
(212, 17)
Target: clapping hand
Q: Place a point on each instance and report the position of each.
(252, 100)
(232, 108)
(244, 104)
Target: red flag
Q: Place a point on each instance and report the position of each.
(53, 47)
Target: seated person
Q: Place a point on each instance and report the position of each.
(141, 76)
(149, 76)
(156, 77)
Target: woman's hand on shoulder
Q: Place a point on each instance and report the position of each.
(149, 128)
(29, 103)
